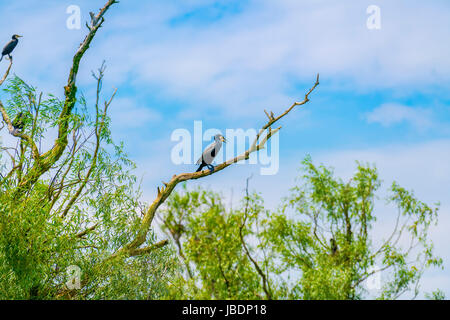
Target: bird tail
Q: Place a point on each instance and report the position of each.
(1, 58)
(200, 168)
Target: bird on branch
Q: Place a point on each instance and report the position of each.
(10, 47)
(19, 122)
(210, 153)
(334, 247)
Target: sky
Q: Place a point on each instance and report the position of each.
(383, 98)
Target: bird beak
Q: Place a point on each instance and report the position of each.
(224, 140)
(19, 36)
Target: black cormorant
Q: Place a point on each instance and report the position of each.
(210, 153)
(19, 122)
(334, 247)
(10, 46)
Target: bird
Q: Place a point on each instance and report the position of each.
(334, 247)
(10, 46)
(210, 153)
(19, 122)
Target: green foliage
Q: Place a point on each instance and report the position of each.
(436, 295)
(85, 208)
(319, 245)
(79, 213)
(208, 241)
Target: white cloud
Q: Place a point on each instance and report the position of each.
(126, 114)
(389, 114)
(245, 61)
(249, 61)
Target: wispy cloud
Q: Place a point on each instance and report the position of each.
(248, 58)
(126, 114)
(390, 114)
(258, 51)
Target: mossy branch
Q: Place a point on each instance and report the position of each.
(70, 91)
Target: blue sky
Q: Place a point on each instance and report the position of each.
(384, 95)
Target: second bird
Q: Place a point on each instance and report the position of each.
(10, 46)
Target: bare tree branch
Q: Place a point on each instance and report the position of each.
(7, 71)
(164, 192)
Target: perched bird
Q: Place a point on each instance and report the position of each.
(334, 247)
(19, 122)
(210, 153)
(10, 46)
